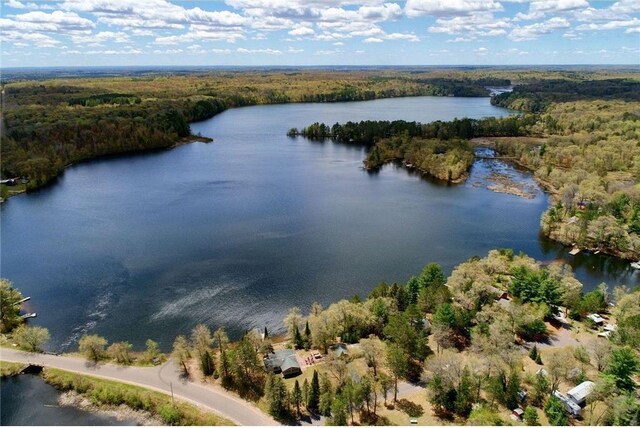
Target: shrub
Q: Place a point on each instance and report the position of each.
(170, 414)
(410, 408)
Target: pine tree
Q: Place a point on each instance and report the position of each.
(266, 332)
(297, 338)
(307, 337)
(413, 289)
(206, 363)
(314, 393)
(512, 390)
(464, 397)
(305, 391)
(297, 396)
(339, 411)
(277, 397)
(538, 359)
(554, 409)
(531, 416)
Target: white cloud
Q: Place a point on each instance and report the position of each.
(450, 7)
(36, 39)
(372, 40)
(470, 27)
(101, 37)
(301, 30)
(402, 36)
(611, 25)
(295, 51)
(533, 31)
(259, 51)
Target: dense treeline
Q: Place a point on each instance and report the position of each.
(536, 95)
(53, 123)
(368, 132)
(590, 161)
(439, 148)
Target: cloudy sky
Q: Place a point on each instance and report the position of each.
(318, 32)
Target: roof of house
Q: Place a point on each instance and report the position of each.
(496, 291)
(581, 392)
(279, 359)
(595, 318)
(339, 349)
(291, 362)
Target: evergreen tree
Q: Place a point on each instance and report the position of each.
(266, 332)
(276, 393)
(307, 337)
(339, 411)
(297, 396)
(511, 391)
(464, 397)
(326, 400)
(297, 338)
(314, 393)
(305, 391)
(554, 409)
(531, 416)
(622, 366)
(206, 363)
(413, 289)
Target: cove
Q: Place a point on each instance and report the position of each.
(28, 400)
(235, 232)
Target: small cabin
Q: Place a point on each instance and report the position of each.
(517, 412)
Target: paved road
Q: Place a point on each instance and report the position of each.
(160, 378)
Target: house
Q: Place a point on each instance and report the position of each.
(596, 318)
(570, 406)
(497, 293)
(283, 361)
(580, 393)
(339, 350)
(518, 412)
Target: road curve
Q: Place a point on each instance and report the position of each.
(161, 378)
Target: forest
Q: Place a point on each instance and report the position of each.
(469, 349)
(580, 138)
(50, 124)
(578, 129)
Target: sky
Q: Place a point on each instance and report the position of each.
(318, 32)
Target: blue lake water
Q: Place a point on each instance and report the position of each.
(237, 231)
(28, 400)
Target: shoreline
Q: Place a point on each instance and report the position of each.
(120, 413)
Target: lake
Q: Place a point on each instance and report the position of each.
(28, 400)
(237, 231)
